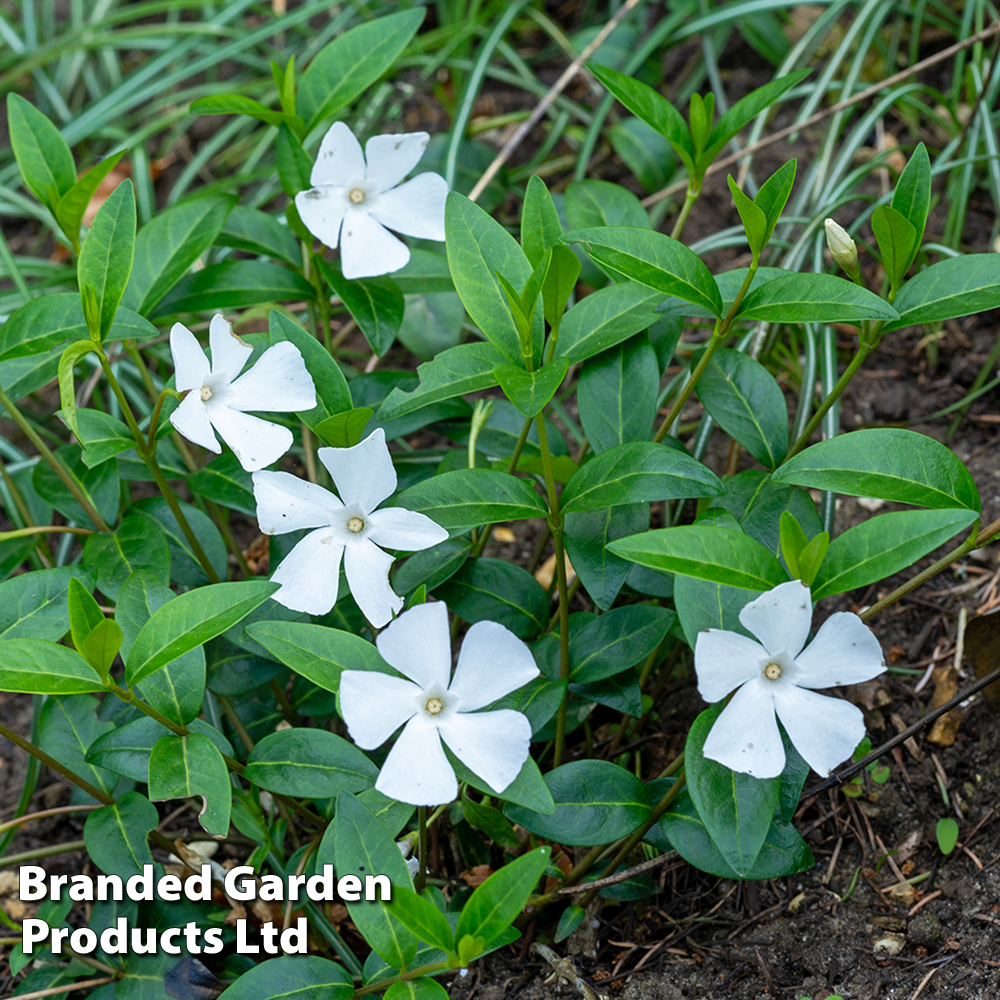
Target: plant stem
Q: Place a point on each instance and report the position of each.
(511, 469)
(402, 977)
(690, 197)
(43, 529)
(556, 524)
(856, 362)
(57, 811)
(421, 876)
(42, 852)
(60, 470)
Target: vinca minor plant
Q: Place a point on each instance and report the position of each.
(305, 703)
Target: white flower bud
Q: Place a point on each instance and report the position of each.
(843, 248)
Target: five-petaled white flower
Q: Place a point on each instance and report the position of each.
(355, 195)
(217, 399)
(349, 527)
(774, 676)
(494, 745)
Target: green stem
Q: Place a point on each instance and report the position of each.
(154, 420)
(42, 852)
(690, 197)
(511, 469)
(60, 470)
(556, 525)
(420, 877)
(43, 529)
(402, 977)
(857, 361)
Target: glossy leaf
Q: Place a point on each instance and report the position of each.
(304, 977)
(36, 666)
(958, 286)
(606, 318)
(497, 590)
(253, 231)
(375, 304)
(530, 392)
(587, 535)
(618, 639)
(116, 835)
(540, 225)
(912, 197)
(814, 298)
(233, 284)
(422, 917)
(897, 240)
(34, 605)
(309, 763)
(182, 766)
(42, 153)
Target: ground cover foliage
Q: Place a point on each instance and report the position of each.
(660, 430)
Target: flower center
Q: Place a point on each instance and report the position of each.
(433, 706)
(356, 195)
(355, 524)
(206, 393)
(772, 671)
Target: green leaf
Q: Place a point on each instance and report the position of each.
(72, 206)
(886, 463)
(593, 203)
(297, 977)
(344, 430)
(560, 281)
(495, 905)
(479, 248)
(611, 642)
(316, 652)
(743, 398)
(35, 666)
(294, 163)
(491, 821)
(84, 612)
(735, 808)
(958, 286)
(466, 368)
(636, 472)
(500, 591)
(883, 545)
(100, 486)
(530, 392)
(53, 318)
(234, 284)
(67, 388)
(652, 259)
(912, 197)
(101, 645)
(596, 802)
(309, 763)
(376, 304)
(745, 110)
(773, 195)
(814, 298)
(467, 498)
(34, 606)
(225, 481)
(946, 834)
(116, 835)
(646, 104)
(42, 153)
(753, 218)
(701, 112)
(708, 553)
(528, 789)
(587, 535)
(185, 568)
(67, 726)
(644, 151)
(102, 436)
(256, 232)
(793, 541)
(540, 225)
(361, 846)
(421, 988)
(237, 104)
(606, 318)
(432, 566)
(182, 766)
(423, 918)
(351, 63)
(897, 241)
(169, 244)
(105, 261)
(617, 392)
(332, 393)
(190, 620)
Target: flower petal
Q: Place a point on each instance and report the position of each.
(255, 442)
(415, 208)
(725, 660)
(367, 568)
(310, 574)
(418, 644)
(192, 420)
(339, 160)
(363, 473)
(191, 367)
(368, 249)
(277, 382)
(375, 705)
(391, 157)
(417, 770)
(493, 662)
(745, 736)
(229, 353)
(844, 652)
(824, 730)
(287, 503)
(781, 617)
(406, 530)
(493, 745)
(322, 210)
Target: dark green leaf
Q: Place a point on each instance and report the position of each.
(587, 534)
(116, 835)
(41, 152)
(958, 286)
(344, 430)
(73, 204)
(592, 203)
(814, 298)
(530, 392)
(616, 640)
(185, 568)
(606, 318)
(233, 284)
(309, 763)
(34, 606)
(500, 591)
(182, 766)
(298, 977)
(294, 163)
(376, 304)
(912, 197)
(99, 485)
(898, 242)
(102, 436)
(256, 232)
(540, 225)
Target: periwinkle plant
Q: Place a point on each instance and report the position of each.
(193, 675)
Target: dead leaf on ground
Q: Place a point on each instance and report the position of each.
(546, 571)
(982, 648)
(476, 877)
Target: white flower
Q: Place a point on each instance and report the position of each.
(774, 676)
(364, 198)
(494, 745)
(349, 527)
(843, 248)
(217, 399)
